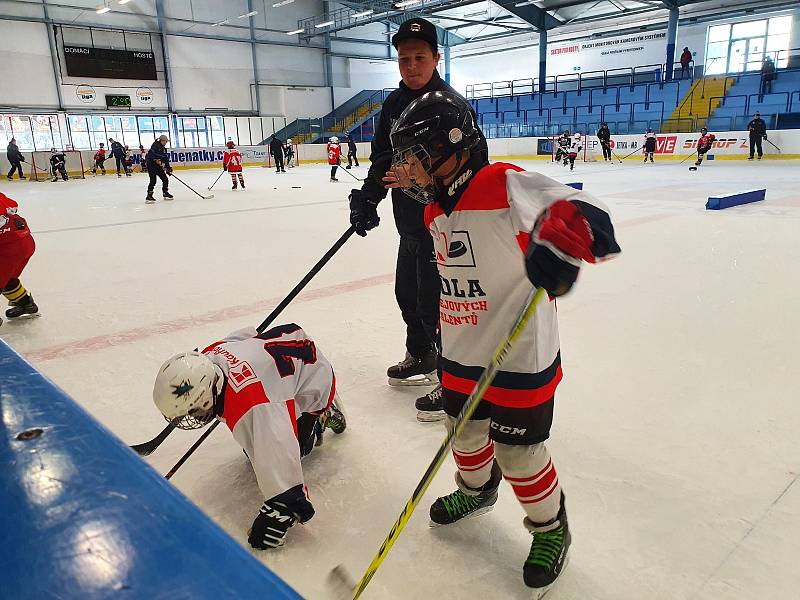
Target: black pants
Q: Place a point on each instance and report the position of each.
(766, 86)
(416, 288)
(278, 161)
(156, 171)
(684, 71)
(121, 163)
(333, 171)
(59, 170)
(351, 156)
(15, 166)
(606, 150)
(755, 144)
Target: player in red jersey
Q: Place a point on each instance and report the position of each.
(16, 249)
(704, 144)
(497, 232)
(276, 392)
(99, 160)
(232, 163)
(334, 156)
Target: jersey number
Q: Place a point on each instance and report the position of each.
(283, 352)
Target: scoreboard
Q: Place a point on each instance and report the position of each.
(105, 63)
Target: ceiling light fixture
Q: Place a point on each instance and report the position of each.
(220, 23)
(476, 14)
(295, 31)
(124, 1)
(284, 3)
(405, 3)
(362, 14)
(250, 14)
(103, 8)
(325, 24)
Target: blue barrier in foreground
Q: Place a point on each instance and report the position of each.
(728, 200)
(577, 186)
(84, 518)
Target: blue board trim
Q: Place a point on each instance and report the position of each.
(727, 201)
(83, 517)
(577, 186)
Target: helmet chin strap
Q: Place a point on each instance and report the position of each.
(217, 391)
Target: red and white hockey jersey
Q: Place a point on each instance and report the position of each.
(480, 250)
(334, 154)
(232, 159)
(272, 378)
(12, 226)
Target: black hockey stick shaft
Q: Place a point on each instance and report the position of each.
(632, 153)
(690, 156)
(189, 187)
(349, 173)
(216, 180)
(191, 450)
(773, 145)
(261, 328)
(309, 276)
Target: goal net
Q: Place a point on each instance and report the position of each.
(41, 170)
(588, 152)
(288, 162)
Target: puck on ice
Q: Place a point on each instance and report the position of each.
(693, 168)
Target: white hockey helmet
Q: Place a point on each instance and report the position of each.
(577, 136)
(334, 140)
(186, 389)
(289, 141)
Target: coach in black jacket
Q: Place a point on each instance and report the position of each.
(417, 279)
(16, 159)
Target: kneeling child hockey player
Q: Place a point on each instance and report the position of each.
(276, 392)
(517, 230)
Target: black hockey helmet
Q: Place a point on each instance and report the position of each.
(703, 130)
(432, 129)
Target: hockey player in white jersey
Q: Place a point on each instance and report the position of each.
(497, 231)
(575, 148)
(276, 392)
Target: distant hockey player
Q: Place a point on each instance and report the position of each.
(118, 152)
(58, 164)
(142, 159)
(276, 392)
(99, 160)
(128, 162)
(562, 148)
(16, 249)
(334, 156)
(604, 135)
(288, 152)
(575, 148)
(704, 144)
(232, 163)
(650, 140)
(518, 230)
(758, 132)
(158, 167)
(352, 149)
(15, 158)
(276, 150)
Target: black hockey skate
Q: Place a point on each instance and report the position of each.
(459, 505)
(26, 306)
(334, 418)
(548, 555)
(430, 406)
(414, 370)
(149, 199)
(167, 196)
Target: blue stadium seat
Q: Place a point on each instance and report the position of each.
(553, 100)
(512, 117)
(576, 98)
(491, 118)
(507, 103)
(486, 105)
(617, 113)
(607, 96)
(636, 94)
(528, 101)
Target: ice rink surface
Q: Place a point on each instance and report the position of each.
(676, 426)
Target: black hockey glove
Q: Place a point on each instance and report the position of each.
(765, 136)
(270, 526)
(363, 212)
(224, 167)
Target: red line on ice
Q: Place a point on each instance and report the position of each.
(136, 334)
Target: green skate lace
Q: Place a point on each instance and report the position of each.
(546, 548)
(458, 503)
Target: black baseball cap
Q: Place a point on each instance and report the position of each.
(417, 29)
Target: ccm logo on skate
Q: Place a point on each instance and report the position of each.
(506, 429)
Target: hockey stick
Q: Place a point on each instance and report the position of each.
(147, 448)
(688, 157)
(267, 322)
(774, 146)
(216, 180)
(632, 153)
(349, 173)
(191, 188)
(338, 578)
